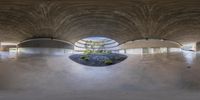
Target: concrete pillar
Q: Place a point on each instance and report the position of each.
(0, 46)
(197, 46)
(194, 47)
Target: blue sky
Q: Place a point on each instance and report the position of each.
(95, 38)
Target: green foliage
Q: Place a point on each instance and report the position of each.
(108, 52)
(99, 52)
(94, 47)
(85, 57)
(108, 62)
(86, 52)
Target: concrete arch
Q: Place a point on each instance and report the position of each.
(150, 43)
(45, 46)
(127, 20)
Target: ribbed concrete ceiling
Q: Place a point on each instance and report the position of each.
(121, 20)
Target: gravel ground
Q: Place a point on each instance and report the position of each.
(98, 59)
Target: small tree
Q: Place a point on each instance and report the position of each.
(95, 47)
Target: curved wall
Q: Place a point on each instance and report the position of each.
(150, 43)
(45, 47)
(149, 46)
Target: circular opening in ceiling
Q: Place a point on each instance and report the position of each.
(96, 44)
(97, 51)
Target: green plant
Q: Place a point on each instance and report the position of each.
(108, 52)
(85, 57)
(108, 62)
(86, 52)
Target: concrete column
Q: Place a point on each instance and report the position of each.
(197, 46)
(0, 46)
(194, 47)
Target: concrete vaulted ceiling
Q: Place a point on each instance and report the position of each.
(121, 20)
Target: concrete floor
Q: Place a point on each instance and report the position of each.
(147, 77)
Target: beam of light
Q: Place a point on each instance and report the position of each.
(8, 43)
(189, 57)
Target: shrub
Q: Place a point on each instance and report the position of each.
(109, 52)
(86, 52)
(108, 62)
(85, 57)
(98, 52)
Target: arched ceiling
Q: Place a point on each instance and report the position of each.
(121, 20)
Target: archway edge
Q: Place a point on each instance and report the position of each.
(150, 43)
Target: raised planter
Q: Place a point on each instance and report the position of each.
(98, 59)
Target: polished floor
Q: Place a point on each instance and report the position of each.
(170, 76)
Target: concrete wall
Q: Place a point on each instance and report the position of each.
(6, 47)
(44, 51)
(198, 46)
(151, 43)
(45, 47)
(149, 46)
(45, 43)
(149, 50)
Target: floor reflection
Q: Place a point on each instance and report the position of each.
(8, 55)
(154, 73)
(189, 57)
